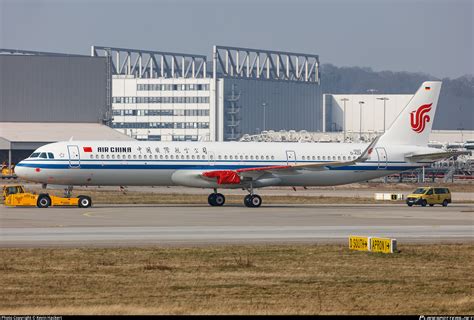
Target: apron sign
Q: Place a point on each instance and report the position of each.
(373, 244)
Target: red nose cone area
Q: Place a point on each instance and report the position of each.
(37, 169)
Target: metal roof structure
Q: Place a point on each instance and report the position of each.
(30, 135)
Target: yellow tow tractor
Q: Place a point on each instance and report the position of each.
(15, 196)
(8, 172)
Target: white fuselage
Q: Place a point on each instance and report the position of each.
(181, 163)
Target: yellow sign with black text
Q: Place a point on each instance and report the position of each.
(359, 243)
(384, 245)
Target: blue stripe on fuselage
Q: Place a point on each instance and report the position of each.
(176, 166)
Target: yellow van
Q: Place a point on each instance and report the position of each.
(429, 195)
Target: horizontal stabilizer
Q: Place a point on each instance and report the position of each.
(435, 156)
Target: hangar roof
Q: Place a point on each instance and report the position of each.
(41, 132)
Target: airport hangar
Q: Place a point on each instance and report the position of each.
(166, 96)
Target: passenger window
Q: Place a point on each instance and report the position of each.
(302, 157)
(97, 156)
(273, 157)
(130, 156)
(134, 156)
(50, 155)
(192, 157)
(187, 156)
(225, 157)
(268, 158)
(230, 157)
(319, 157)
(139, 156)
(198, 157)
(256, 157)
(314, 157)
(166, 157)
(113, 156)
(108, 157)
(219, 157)
(102, 156)
(251, 157)
(92, 156)
(246, 157)
(171, 157)
(182, 157)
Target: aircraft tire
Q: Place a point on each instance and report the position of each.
(43, 201)
(253, 201)
(211, 199)
(219, 199)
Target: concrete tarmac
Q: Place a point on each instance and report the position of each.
(143, 225)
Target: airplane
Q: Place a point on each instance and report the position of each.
(244, 165)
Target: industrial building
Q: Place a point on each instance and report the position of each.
(169, 96)
(46, 97)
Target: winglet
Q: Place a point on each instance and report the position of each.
(368, 151)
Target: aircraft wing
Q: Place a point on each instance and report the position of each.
(435, 156)
(235, 176)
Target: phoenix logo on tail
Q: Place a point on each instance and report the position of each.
(419, 118)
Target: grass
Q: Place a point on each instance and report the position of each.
(263, 279)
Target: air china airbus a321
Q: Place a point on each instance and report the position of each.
(244, 165)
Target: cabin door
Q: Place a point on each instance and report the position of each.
(382, 155)
(74, 158)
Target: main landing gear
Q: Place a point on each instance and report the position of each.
(251, 200)
(216, 199)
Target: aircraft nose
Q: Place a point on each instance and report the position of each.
(21, 170)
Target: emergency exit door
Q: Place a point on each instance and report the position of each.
(290, 157)
(382, 156)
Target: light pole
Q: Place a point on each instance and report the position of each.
(344, 117)
(384, 99)
(264, 104)
(360, 119)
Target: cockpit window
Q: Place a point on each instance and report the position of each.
(34, 155)
(50, 155)
(43, 155)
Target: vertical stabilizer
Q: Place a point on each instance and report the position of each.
(413, 125)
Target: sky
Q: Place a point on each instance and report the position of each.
(429, 36)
